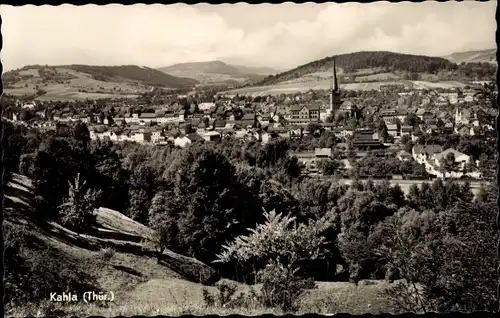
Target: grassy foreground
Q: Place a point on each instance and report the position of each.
(143, 287)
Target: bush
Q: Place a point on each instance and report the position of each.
(282, 245)
(106, 254)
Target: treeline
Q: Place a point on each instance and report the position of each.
(387, 62)
(202, 197)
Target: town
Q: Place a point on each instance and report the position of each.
(398, 123)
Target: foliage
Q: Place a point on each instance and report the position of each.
(390, 62)
(283, 244)
(162, 220)
(77, 210)
(444, 257)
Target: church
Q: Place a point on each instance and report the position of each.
(337, 106)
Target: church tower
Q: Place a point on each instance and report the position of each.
(335, 100)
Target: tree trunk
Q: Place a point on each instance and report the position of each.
(160, 254)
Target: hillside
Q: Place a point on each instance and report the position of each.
(141, 286)
(72, 82)
(482, 56)
(379, 66)
(217, 72)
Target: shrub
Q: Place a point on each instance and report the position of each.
(77, 210)
(106, 254)
(282, 247)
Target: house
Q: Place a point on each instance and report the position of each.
(205, 106)
(343, 132)
(388, 116)
(460, 158)
(474, 131)
(441, 101)
(406, 130)
(28, 106)
(420, 113)
(147, 117)
(141, 137)
(187, 140)
(404, 155)
(365, 138)
(421, 153)
(462, 129)
(392, 130)
(323, 152)
(469, 98)
(432, 129)
(156, 135)
(211, 136)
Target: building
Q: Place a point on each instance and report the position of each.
(211, 136)
(421, 153)
(460, 158)
(187, 140)
(404, 156)
(323, 152)
(392, 130)
(366, 139)
(406, 130)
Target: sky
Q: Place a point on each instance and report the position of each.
(281, 36)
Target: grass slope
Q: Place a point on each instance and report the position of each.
(487, 56)
(143, 287)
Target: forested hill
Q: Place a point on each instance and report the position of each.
(374, 62)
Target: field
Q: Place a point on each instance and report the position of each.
(87, 82)
(143, 287)
(71, 88)
(305, 85)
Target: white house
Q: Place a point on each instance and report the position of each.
(187, 140)
(28, 106)
(421, 153)
(205, 106)
(211, 136)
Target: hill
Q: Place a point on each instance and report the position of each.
(117, 259)
(218, 72)
(70, 82)
(362, 64)
(482, 56)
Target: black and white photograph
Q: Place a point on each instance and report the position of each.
(249, 159)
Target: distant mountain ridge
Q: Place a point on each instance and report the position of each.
(487, 56)
(218, 72)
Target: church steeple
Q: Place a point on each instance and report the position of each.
(335, 100)
(334, 79)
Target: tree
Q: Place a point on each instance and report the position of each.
(445, 255)
(283, 245)
(216, 207)
(77, 210)
(163, 214)
(329, 167)
(448, 164)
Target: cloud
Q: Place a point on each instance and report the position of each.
(159, 35)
